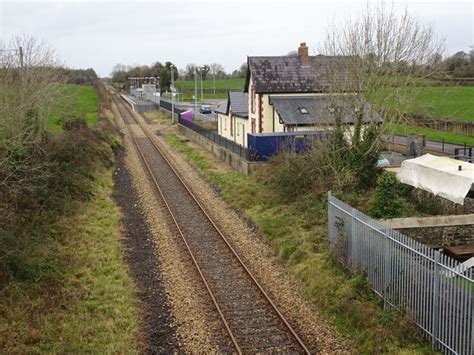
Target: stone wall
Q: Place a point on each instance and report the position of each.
(438, 231)
(442, 206)
(441, 236)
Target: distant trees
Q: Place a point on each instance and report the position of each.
(121, 73)
(241, 72)
(80, 76)
(460, 64)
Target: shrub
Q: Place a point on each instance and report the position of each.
(386, 201)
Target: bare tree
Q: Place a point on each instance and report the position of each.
(384, 52)
(29, 77)
(216, 70)
(371, 63)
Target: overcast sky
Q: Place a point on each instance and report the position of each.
(99, 34)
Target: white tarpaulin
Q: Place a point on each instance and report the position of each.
(438, 175)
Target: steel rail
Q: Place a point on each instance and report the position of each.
(150, 136)
(209, 291)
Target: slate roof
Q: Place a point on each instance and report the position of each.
(222, 107)
(239, 103)
(286, 74)
(320, 109)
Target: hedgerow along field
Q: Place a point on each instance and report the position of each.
(74, 101)
(65, 285)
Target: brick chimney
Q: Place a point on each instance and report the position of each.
(303, 53)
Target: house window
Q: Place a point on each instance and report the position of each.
(238, 128)
(303, 110)
(225, 124)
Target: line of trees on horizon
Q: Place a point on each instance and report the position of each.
(121, 72)
(458, 65)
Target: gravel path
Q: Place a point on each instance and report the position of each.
(283, 288)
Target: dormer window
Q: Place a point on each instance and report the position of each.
(303, 110)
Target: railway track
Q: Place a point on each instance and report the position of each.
(250, 318)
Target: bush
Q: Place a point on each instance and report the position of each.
(386, 201)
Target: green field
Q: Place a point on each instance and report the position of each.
(226, 84)
(74, 101)
(453, 102)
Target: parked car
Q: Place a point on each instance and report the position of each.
(205, 109)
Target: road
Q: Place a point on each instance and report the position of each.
(189, 105)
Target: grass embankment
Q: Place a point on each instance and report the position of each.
(74, 101)
(64, 286)
(76, 296)
(298, 232)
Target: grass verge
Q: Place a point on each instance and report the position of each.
(68, 289)
(298, 232)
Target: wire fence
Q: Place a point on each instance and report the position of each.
(432, 288)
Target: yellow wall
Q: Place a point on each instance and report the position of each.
(240, 128)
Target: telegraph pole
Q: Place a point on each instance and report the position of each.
(21, 57)
(201, 86)
(172, 94)
(195, 92)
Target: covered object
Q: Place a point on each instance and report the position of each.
(442, 176)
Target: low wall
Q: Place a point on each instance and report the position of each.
(441, 205)
(437, 231)
(235, 161)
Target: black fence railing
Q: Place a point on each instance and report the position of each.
(464, 153)
(216, 138)
(167, 106)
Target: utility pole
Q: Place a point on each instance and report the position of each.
(201, 85)
(21, 57)
(195, 92)
(172, 94)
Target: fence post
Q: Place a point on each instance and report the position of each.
(351, 241)
(329, 220)
(388, 268)
(436, 299)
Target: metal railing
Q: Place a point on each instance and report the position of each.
(432, 288)
(217, 139)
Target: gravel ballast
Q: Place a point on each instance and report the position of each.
(283, 287)
(198, 330)
(157, 330)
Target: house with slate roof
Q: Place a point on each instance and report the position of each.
(293, 93)
(232, 117)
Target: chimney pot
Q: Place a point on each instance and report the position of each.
(303, 53)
